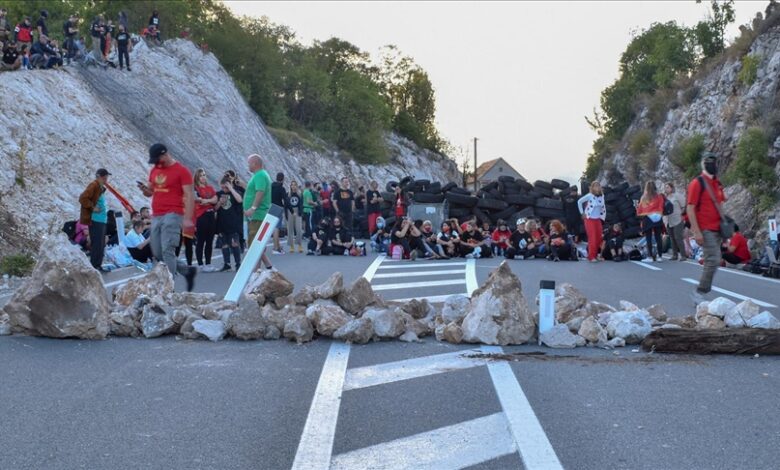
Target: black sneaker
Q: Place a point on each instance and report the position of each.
(238, 266)
(192, 271)
(226, 267)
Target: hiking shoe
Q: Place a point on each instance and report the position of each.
(278, 252)
(238, 266)
(190, 277)
(225, 267)
(309, 253)
(300, 248)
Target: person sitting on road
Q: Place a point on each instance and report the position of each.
(539, 247)
(736, 250)
(613, 244)
(519, 242)
(473, 244)
(447, 240)
(431, 240)
(399, 236)
(561, 247)
(341, 239)
(501, 236)
(319, 244)
(380, 239)
(136, 244)
(417, 241)
(487, 235)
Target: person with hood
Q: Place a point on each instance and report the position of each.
(380, 237)
(319, 244)
(278, 198)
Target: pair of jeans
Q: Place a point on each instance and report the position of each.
(205, 228)
(653, 230)
(165, 238)
(678, 244)
(294, 230)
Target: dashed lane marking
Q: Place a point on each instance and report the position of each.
(732, 294)
(648, 266)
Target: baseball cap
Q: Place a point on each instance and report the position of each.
(520, 221)
(156, 151)
(102, 172)
(706, 156)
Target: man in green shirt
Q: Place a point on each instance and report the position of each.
(309, 202)
(257, 199)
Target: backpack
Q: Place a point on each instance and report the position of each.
(635, 255)
(398, 252)
(70, 229)
(668, 206)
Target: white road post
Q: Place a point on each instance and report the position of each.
(546, 307)
(773, 229)
(254, 253)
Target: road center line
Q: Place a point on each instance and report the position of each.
(457, 446)
(732, 294)
(645, 265)
(419, 273)
(532, 442)
(316, 445)
(389, 372)
(471, 276)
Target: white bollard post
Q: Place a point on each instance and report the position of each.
(254, 253)
(546, 307)
(773, 229)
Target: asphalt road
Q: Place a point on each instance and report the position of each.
(167, 403)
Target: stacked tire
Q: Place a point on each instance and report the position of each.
(621, 203)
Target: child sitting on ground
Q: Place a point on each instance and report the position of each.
(501, 236)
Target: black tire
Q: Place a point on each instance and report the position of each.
(622, 187)
(545, 192)
(512, 185)
(524, 185)
(459, 211)
(388, 196)
(550, 213)
(428, 198)
(520, 199)
(506, 213)
(635, 196)
(463, 200)
(632, 232)
(516, 192)
(490, 186)
(434, 188)
(506, 179)
(559, 184)
(405, 181)
(526, 213)
(463, 191)
(627, 213)
(634, 189)
(564, 192)
(543, 184)
(481, 216)
(448, 187)
(535, 194)
(390, 186)
(624, 203)
(423, 182)
(547, 203)
(491, 204)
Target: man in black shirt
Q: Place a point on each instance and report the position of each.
(344, 200)
(41, 24)
(278, 198)
(230, 221)
(521, 243)
(473, 243)
(123, 47)
(43, 55)
(69, 30)
(11, 58)
(96, 31)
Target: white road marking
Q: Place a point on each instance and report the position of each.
(369, 274)
(316, 446)
(431, 298)
(731, 294)
(389, 372)
(419, 265)
(418, 274)
(471, 276)
(412, 285)
(532, 442)
(757, 277)
(457, 446)
(645, 265)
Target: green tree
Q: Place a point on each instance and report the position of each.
(710, 34)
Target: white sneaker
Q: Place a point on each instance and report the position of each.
(647, 260)
(278, 252)
(659, 259)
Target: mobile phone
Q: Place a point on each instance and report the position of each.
(139, 183)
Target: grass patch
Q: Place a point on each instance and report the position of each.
(749, 71)
(687, 154)
(17, 265)
(298, 138)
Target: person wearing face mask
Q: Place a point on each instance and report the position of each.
(319, 244)
(446, 240)
(380, 237)
(705, 195)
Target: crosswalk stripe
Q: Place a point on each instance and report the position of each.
(415, 265)
(732, 294)
(457, 446)
(471, 276)
(419, 274)
(389, 372)
(412, 285)
(371, 271)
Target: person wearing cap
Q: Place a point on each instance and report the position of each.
(12, 60)
(518, 241)
(704, 217)
(173, 203)
(94, 213)
(43, 30)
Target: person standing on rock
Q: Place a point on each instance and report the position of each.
(96, 32)
(257, 199)
(94, 213)
(123, 47)
(705, 195)
(594, 212)
(674, 222)
(173, 206)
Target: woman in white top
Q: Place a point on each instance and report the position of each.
(593, 211)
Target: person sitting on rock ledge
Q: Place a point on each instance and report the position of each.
(12, 60)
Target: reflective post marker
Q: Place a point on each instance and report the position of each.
(254, 253)
(546, 307)
(773, 229)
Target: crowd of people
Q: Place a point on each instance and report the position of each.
(26, 46)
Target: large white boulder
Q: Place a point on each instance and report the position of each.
(632, 326)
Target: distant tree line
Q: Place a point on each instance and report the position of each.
(331, 88)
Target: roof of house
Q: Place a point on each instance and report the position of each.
(487, 166)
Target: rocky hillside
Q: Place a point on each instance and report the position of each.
(712, 110)
(58, 127)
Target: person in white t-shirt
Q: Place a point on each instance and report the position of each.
(136, 244)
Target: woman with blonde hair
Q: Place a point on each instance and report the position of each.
(205, 218)
(594, 212)
(294, 218)
(651, 209)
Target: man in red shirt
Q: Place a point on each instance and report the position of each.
(173, 202)
(737, 252)
(705, 221)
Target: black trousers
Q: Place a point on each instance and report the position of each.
(653, 230)
(143, 255)
(124, 58)
(97, 240)
(205, 227)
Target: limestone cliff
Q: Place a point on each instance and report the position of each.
(58, 127)
(718, 105)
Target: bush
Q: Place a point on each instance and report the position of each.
(751, 168)
(640, 141)
(649, 160)
(687, 154)
(17, 265)
(749, 71)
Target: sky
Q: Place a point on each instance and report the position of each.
(519, 76)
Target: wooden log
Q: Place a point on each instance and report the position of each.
(726, 341)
